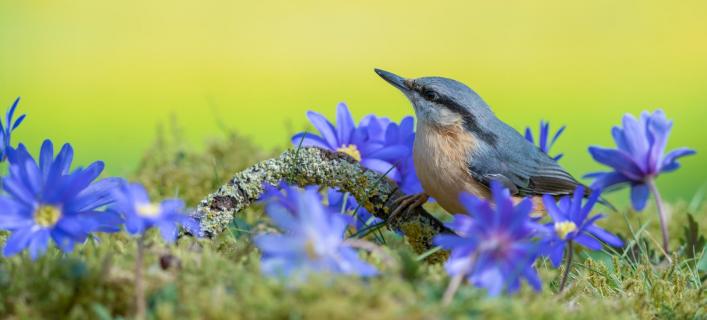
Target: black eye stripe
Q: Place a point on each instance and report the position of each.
(470, 121)
(429, 94)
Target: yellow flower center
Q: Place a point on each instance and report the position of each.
(351, 150)
(311, 250)
(47, 216)
(564, 228)
(149, 210)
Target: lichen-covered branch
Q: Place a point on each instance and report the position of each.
(314, 166)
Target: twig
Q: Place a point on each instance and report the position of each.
(314, 166)
(140, 303)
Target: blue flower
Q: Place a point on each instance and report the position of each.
(389, 133)
(49, 200)
(362, 219)
(140, 214)
(352, 140)
(312, 239)
(543, 137)
(571, 222)
(639, 156)
(494, 247)
(7, 128)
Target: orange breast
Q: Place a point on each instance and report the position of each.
(440, 156)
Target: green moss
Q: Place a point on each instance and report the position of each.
(170, 168)
(219, 278)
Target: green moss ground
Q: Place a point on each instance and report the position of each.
(219, 278)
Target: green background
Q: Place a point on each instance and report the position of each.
(102, 74)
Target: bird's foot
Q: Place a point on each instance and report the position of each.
(407, 203)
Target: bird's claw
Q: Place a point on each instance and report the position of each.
(406, 204)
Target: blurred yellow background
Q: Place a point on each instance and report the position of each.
(102, 74)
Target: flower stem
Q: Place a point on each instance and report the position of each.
(452, 289)
(661, 214)
(140, 305)
(568, 264)
(457, 280)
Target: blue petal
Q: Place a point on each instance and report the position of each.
(605, 236)
(17, 241)
(18, 122)
(637, 142)
(556, 253)
(552, 210)
(531, 275)
(191, 225)
(618, 160)
(670, 161)
(282, 217)
(542, 139)
(64, 241)
(639, 196)
(407, 126)
(529, 135)
(73, 226)
(168, 230)
(658, 128)
(99, 221)
(450, 242)
(10, 220)
(382, 167)
(492, 280)
(344, 123)
(306, 139)
(392, 153)
(134, 224)
(80, 180)
(64, 158)
(38, 243)
(96, 195)
(589, 205)
(588, 242)
(17, 190)
(607, 180)
(277, 244)
(557, 135)
(325, 128)
(46, 155)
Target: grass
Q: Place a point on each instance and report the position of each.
(219, 278)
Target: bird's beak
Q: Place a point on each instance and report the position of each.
(397, 81)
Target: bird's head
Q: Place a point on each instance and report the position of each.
(439, 101)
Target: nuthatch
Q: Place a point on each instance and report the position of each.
(461, 146)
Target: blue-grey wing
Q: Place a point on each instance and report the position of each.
(521, 167)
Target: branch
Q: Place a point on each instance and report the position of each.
(314, 166)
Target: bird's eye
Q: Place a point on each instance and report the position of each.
(430, 95)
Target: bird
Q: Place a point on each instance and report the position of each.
(462, 146)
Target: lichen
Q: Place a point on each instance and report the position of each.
(313, 166)
(219, 278)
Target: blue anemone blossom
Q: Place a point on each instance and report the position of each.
(140, 214)
(355, 141)
(571, 222)
(639, 155)
(390, 133)
(494, 247)
(48, 200)
(7, 127)
(545, 143)
(312, 240)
